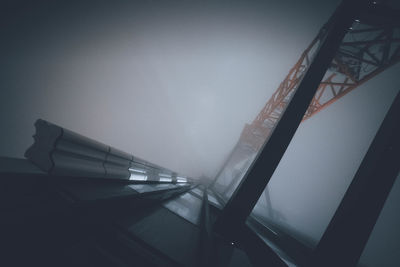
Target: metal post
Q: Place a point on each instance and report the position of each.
(352, 224)
(252, 185)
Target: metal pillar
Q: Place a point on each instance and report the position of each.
(349, 230)
(252, 185)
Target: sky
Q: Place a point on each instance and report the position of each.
(172, 82)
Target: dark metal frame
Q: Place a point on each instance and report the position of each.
(360, 208)
(349, 230)
(257, 177)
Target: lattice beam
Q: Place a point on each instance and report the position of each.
(366, 51)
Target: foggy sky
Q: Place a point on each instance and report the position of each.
(172, 82)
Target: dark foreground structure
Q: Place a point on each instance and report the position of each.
(77, 202)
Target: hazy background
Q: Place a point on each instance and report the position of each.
(172, 82)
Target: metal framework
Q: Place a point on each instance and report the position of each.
(366, 51)
(258, 175)
(345, 54)
(347, 233)
(370, 46)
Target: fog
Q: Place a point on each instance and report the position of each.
(172, 82)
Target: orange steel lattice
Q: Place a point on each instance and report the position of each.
(368, 48)
(365, 52)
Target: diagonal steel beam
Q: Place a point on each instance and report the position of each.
(258, 175)
(348, 232)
